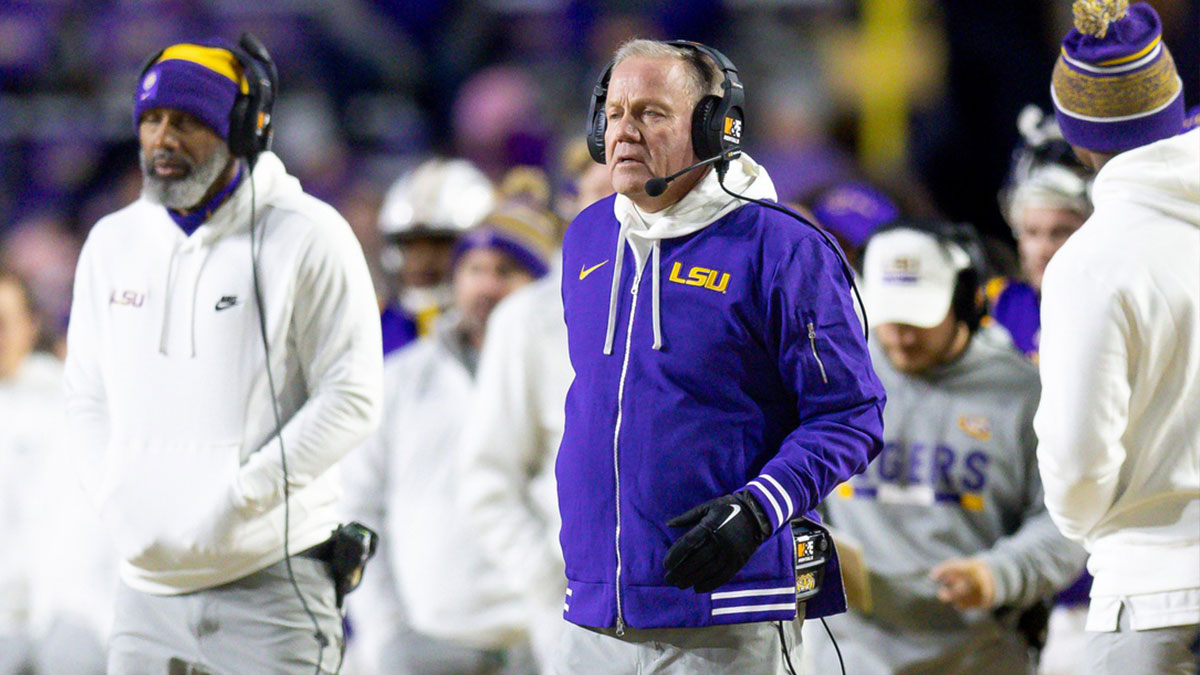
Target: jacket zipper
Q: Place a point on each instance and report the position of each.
(637, 280)
(812, 341)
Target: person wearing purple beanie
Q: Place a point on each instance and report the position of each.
(1120, 345)
(223, 355)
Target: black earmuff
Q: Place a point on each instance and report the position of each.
(250, 129)
(716, 120)
(250, 124)
(966, 302)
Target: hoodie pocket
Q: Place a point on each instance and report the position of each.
(171, 502)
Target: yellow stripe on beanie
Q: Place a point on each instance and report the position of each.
(1134, 56)
(218, 60)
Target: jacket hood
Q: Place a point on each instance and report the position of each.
(703, 205)
(1164, 176)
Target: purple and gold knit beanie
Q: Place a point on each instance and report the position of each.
(1115, 86)
(203, 80)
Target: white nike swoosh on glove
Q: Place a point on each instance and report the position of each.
(737, 508)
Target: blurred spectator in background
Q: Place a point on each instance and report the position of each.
(1047, 198)
(43, 250)
(852, 211)
(944, 540)
(57, 573)
(1120, 348)
(499, 121)
(506, 466)
(434, 603)
(423, 214)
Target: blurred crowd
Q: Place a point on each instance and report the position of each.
(420, 121)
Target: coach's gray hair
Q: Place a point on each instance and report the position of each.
(704, 75)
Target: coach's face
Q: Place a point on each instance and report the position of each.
(649, 131)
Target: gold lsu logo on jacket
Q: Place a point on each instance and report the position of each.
(700, 276)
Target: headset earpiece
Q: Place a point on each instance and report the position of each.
(597, 117)
(250, 124)
(701, 118)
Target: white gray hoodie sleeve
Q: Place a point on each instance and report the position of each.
(336, 338)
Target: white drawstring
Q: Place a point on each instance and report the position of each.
(612, 294)
(655, 260)
(166, 318)
(205, 250)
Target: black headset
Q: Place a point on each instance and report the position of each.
(250, 128)
(966, 299)
(716, 120)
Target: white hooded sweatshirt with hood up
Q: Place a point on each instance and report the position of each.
(1119, 442)
(167, 389)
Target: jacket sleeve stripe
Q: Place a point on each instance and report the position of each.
(791, 510)
(771, 499)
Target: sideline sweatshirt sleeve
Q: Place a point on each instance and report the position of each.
(86, 401)
(1084, 407)
(1034, 561)
(336, 339)
(501, 449)
(823, 358)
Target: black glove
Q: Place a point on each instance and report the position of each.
(725, 533)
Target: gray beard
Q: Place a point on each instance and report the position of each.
(183, 193)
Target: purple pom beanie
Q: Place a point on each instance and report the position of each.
(1115, 86)
(201, 80)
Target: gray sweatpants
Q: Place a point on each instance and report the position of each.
(735, 649)
(1159, 651)
(253, 625)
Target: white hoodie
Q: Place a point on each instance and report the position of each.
(167, 386)
(1119, 445)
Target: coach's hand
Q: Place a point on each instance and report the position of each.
(725, 533)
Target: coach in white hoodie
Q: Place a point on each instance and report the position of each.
(1120, 352)
(171, 394)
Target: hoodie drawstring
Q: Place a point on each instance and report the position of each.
(166, 315)
(656, 263)
(204, 251)
(612, 294)
(657, 319)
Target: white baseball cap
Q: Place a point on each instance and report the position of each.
(909, 277)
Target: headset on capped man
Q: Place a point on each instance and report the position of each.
(966, 302)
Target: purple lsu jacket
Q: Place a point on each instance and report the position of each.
(762, 382)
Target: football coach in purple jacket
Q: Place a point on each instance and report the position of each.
(722, 386)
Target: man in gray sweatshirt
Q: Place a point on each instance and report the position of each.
(949, 519)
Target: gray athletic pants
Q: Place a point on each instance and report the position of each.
(253, 625)
(1158, 651)
(734, 649)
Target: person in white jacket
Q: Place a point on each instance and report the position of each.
(434, 603)
(223, 355)
(510, 442)
(1119, 449)
(57, 573)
